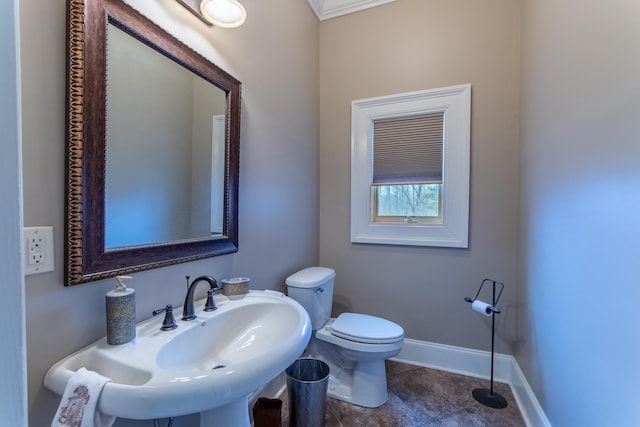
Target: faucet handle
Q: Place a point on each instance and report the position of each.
(210, 305)
(169, 322)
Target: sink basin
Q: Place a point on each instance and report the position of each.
(214, 361)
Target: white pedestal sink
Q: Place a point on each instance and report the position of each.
(209, 365)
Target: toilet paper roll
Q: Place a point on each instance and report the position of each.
(482, 307)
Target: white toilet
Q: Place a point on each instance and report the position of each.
(354, 346)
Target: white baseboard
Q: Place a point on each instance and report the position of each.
(529, 406)
(477, 363)
(459, 360)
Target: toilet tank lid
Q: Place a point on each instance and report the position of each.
(310, 277)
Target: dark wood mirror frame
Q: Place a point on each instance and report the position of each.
(86, 257)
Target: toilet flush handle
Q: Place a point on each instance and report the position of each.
(319, 290)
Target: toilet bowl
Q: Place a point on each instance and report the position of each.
(354, 345)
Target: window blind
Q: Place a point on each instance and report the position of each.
(408, 149)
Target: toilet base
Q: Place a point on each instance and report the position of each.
(352, 379)
(366, 385)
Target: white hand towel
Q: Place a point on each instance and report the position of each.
(78, 406)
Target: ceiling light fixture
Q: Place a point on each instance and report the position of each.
(221, 13)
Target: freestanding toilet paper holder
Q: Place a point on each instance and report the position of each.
(494, 303)
(488, 397)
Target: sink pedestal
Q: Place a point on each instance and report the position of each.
(234, 414)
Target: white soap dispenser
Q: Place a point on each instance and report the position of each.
(121, 313)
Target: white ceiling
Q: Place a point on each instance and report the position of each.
(326, 9)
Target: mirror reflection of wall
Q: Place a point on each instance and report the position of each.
(159, 155)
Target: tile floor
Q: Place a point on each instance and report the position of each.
(423, 397)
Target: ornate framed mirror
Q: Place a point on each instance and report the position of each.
(153, 146)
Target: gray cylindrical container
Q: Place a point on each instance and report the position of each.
(307, 382)
(121, 313)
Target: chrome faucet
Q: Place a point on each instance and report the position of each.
(188, 311)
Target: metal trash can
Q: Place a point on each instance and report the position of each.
(307, 382)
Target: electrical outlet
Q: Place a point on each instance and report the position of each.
(38, 250)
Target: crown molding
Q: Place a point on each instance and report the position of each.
(326, 9)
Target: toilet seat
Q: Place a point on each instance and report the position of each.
(325, 334)
(366, 329)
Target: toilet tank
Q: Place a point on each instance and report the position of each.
(313, 289)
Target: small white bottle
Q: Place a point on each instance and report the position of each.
(121, 313)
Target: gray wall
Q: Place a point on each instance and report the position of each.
(406, 46)
(579, 219)
(275, 55)
(13, 404)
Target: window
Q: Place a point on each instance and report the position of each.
(410, 168)
(411, 203)
(407, 168)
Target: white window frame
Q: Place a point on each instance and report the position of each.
(455, 102)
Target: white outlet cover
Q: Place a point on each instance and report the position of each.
(46, 234)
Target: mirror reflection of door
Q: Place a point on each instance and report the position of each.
(164, 171)
(217, 174)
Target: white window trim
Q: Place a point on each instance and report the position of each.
(455, 101)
